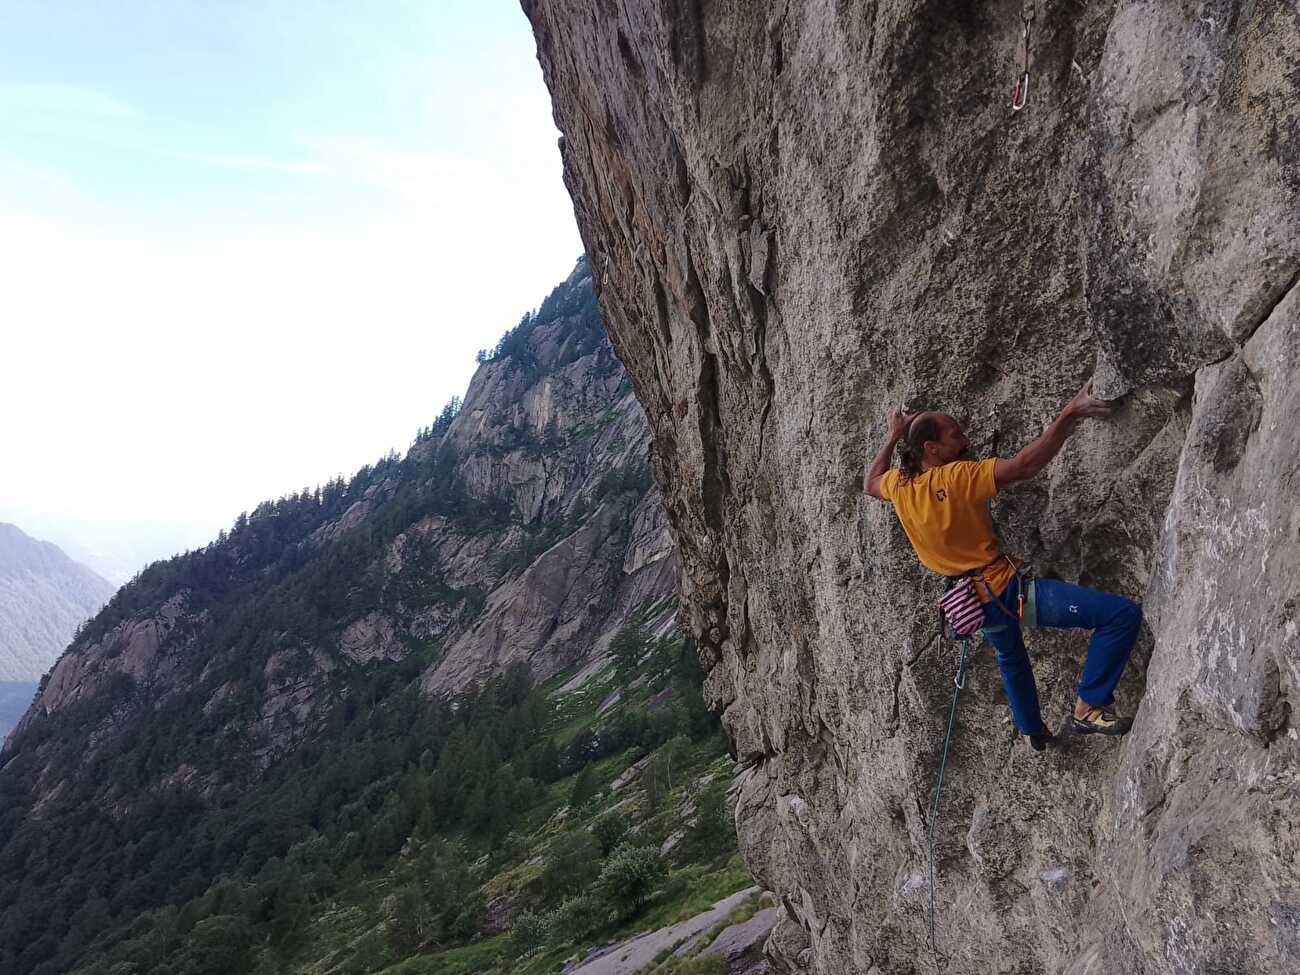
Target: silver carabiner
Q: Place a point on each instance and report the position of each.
(1021, 93)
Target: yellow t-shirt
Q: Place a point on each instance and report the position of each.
(945, 513)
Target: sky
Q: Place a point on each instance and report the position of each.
(247, 246)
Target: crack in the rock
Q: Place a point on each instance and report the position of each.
(1272, 306)
(891, 725)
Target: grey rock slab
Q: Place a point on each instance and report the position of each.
(745, 938)
(588, 671)
(632, 956)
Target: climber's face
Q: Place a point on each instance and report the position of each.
(951, 445)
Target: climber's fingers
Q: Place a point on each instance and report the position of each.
(1085, 404)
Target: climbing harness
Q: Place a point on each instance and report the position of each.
(958, 683)
(1021, 92)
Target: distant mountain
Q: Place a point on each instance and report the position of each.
(116, 547)
(44, 597)
(14, 700)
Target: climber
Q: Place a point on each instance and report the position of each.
(941, 501)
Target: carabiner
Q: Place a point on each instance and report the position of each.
(1021, 93)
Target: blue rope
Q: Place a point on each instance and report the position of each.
(958, 683)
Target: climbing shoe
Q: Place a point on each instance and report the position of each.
(1040, 741)
(1099, 721)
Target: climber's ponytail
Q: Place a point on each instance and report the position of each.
(911, 451)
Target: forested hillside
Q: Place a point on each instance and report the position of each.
(348, 730)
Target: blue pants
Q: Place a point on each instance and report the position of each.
(1114, 621)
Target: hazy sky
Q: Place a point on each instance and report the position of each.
(249, 245)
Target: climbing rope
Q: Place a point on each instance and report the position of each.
(958, 682)
(1021, 92)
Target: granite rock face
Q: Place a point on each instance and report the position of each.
(802, 215)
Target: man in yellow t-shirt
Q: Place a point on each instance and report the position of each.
(942, 502)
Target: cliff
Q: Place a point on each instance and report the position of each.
(802, 215)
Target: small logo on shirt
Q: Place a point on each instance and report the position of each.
(941, 494)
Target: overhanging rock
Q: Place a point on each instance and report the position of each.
(802, 214)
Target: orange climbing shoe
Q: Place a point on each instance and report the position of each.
(1099, 721)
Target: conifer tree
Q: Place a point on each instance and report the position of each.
(584, 787)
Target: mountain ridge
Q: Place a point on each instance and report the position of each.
(44, 596)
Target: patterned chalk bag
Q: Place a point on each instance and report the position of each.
(961, 608)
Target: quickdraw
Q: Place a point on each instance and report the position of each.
(1021, 92)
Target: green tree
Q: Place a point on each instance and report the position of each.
(584, 786)
(660, 770)
(219, 945)
(572, 862)
(610, 829)
(714, 832)
(409, 920)
(290, 905)
(468, 920)
(530, 932)
(630, 876)
(627, 648)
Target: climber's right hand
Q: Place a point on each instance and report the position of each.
(1085, 404)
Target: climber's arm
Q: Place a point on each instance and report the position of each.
(1037, 454)
(897, 423)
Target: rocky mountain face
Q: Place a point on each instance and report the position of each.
(802, 215)
(522, 528)
(44, 597)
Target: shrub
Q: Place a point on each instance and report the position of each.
(630, 876)
(610, 830)
(701, 965)
(529, 933)
(578, 917)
